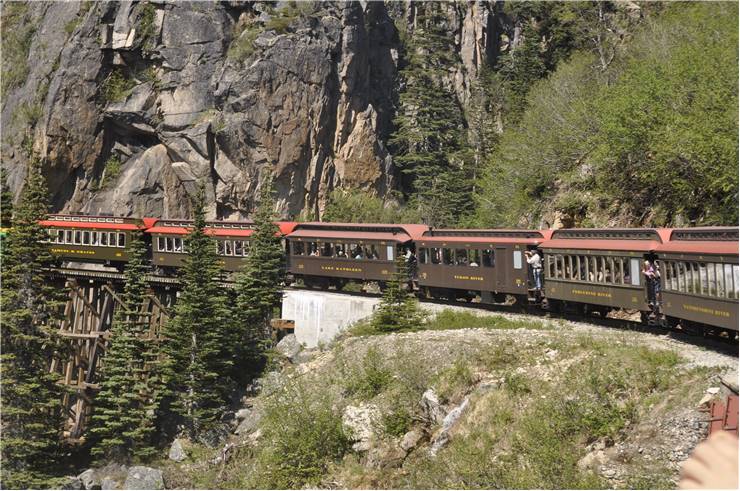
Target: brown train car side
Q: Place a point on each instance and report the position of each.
(700, 277)
(97, 239)
(169, 242)
(600, 268)
(464, 263)
(324, 253)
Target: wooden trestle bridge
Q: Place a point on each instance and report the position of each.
(88, 314)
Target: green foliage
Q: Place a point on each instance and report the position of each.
(370, 379)
(117, 87)
(398, 310)
(17, 33)
(121, 427)
(199, 339)
(357, 206)
(303, 435)
(243, 44)
(111, 170)
(32, 419)
(429, 141)
(6, 200)
(648, 132)
(258, 285)
(451, 319)
(146, 30)
(396, 422)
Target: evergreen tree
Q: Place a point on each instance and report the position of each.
(122, 426)
(31, 397)
(199, 338)
(398, 310)
(6, 200)
(429, 140)
(258, 285)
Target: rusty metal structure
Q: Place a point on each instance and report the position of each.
(85, 332)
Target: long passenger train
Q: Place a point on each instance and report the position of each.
(585, 270)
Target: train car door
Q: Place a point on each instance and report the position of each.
(501, 263)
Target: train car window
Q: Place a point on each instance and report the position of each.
(356, 251)
(610, 270)
(720, 280)
(220, 247)
(177, 244)
(684, 270)
(313, 249)
(712, 287)
(736, 279)
(160, 244)
(298, 248)
(581, 267)
(517, 259)
(326, 249)
(94, 238)
(461, 257)
(228, 248)
(550, 270)
(86, 237)
(635, 271)
(68, 237)
(121, 239)
(488, 258)
(423, 255)
(474, 258)
(389, 253)
(436, 255)
(703, 279)
(371, 252)
(51, 236)
(729, 284)
(78, 237)
(60, 236)
(104, 239)
(168, 244)
(447, 258)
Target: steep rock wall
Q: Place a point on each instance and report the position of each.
(132, 104)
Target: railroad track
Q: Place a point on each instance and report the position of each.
(720, 344)
(715, 343)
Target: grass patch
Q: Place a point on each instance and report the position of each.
(111, 171)
(451, 319)
(145, 34)
(242, 47)
(370, 378)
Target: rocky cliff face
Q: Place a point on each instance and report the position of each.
(132, 104)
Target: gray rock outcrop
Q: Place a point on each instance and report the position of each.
(141, 477)
(177, 451)
(131, 104)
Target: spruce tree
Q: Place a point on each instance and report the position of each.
(199, 338)
(31, 396)
(429, 141)
(398, 310)
(6, 200)
(122, 426)
(259, 283)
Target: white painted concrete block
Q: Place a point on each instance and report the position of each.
(320, 316)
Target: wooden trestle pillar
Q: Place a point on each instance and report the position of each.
(85, 332)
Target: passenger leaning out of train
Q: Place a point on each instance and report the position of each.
(535, 263)
(648, 273)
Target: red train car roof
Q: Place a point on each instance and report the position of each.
(619, 239)
(486, 236)
(702, 240)
(358, 231)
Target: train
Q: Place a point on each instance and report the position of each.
(584, 271)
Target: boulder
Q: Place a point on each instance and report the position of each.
(89, 480)
(386, 455)
(109, 483)
(141, 477)
(359, 421)
(177, 451)
(249, 422)
(73, 483)
(243, 413)
(289, 346)
(443, 436)
(432, 410)
(410, 440)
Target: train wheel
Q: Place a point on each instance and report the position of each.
(382, 286)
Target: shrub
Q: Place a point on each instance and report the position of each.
(397, 422)
(370, 379)
(117, 87)
(303, 434)
(111, 170)
(146, 27)
(243, 45)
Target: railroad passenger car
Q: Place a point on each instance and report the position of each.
(98, 239)
(323, 254)
(700, 278)
(599, 269)
(169, 241)
(458, 263)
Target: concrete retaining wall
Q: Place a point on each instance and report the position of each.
(320, 316)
